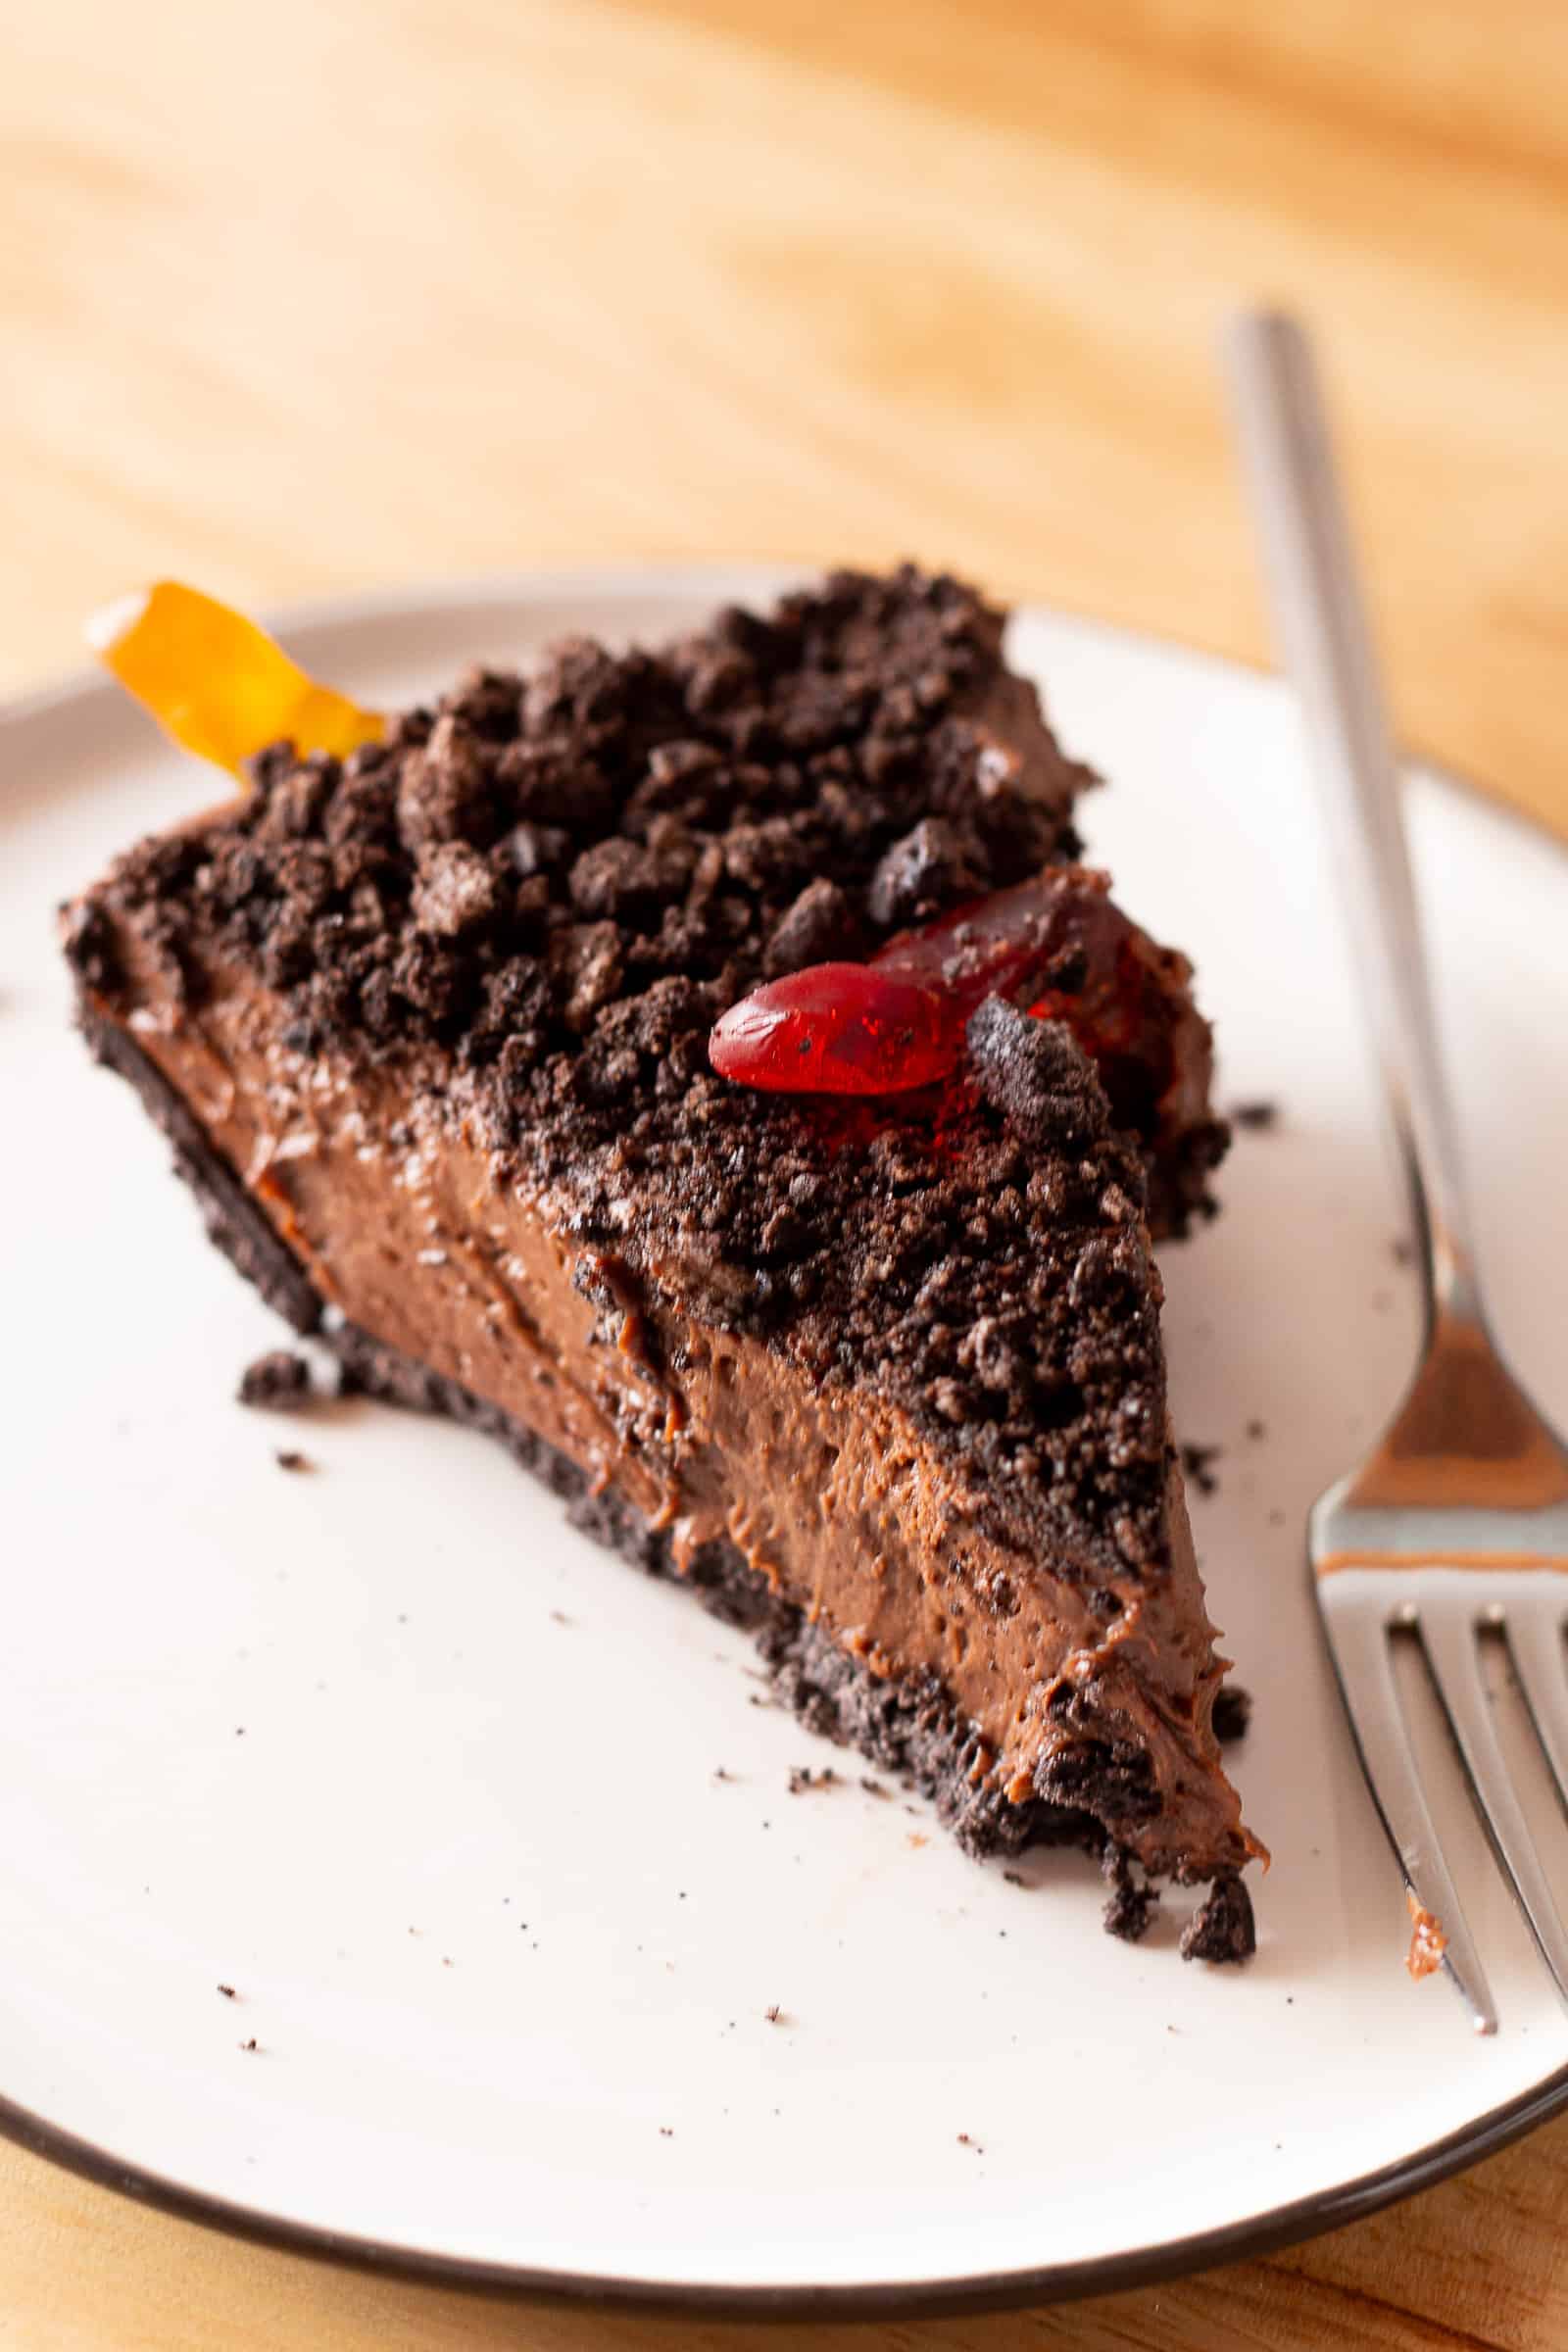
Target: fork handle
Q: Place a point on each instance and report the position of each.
(1322, 626)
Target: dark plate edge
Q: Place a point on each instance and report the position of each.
(1056, 2282)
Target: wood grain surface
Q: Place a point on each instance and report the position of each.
(332, 293)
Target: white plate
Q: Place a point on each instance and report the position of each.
(505, 1942)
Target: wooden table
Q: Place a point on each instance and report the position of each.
(336, 292)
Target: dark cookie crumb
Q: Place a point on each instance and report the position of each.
(1014, 1877)
(821, 926)
(1259, 1116)
(928, 869)
(1221, 1929)
(251, 2045)
(1038, 1076)
(774, 2013)
(1132, 1900)
(803, 1779)
(1257, 1428)
(875, 1788)
(91, 949)
(277, 1379)
(1232, 1713)
(228, 1992)
(1197, 1463)
(290, 1458)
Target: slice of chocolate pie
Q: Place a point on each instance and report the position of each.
(709, 1071)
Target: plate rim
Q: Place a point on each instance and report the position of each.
(1284, 2226)
(1257, 2235)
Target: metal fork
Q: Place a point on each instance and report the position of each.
(1459, 1518)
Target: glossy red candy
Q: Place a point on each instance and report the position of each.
(1056, 946)
(995, 945)
(836, 1029)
